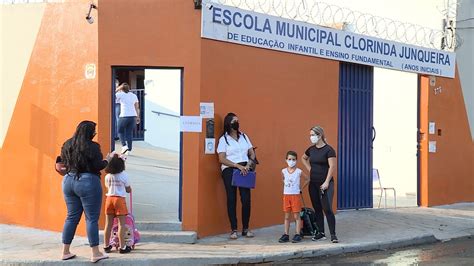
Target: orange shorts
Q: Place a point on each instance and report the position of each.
(292, 203)
(115, 206)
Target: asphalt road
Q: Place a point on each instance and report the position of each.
(455, 252)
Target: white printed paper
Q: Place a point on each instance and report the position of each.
(207, 110)
(190, 124)
(209, 146)
(90, 71)
(432, 146)
(432, 127)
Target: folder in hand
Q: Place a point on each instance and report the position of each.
(246, 181)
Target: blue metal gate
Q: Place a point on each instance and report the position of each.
(355, 136)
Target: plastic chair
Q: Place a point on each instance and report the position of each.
(383, 190)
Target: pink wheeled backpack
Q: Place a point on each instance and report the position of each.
(132, 236)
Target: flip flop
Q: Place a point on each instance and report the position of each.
(96, 259)
(68, 256)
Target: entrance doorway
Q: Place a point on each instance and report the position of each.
(377, 130)
(154, 164)
(395, 144)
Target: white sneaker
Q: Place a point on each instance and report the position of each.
(124, 149)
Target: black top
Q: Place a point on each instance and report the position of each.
(94, 163)
(318, 159)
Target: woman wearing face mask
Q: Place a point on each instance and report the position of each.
(320, 160)
(235, 151)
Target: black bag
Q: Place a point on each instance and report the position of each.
(308, 219)
(60, 167)
(252, 163)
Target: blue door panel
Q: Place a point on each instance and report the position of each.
(355, 136)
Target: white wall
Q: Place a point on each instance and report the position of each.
(395, 121)
(465, 56)
(426, 13)
(163, 94)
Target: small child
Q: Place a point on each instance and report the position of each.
(291, 196)
(118, 185)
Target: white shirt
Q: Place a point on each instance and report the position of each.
(291, 181)
(116, 184)
(235, 151)
(127, 103)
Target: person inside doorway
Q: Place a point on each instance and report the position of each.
(235, 151)
(320, 160)
(129, 116)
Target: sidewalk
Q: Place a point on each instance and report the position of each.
(362, 230)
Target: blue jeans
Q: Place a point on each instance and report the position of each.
(83, 194)
(126, 126)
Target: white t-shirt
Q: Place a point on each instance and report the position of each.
(291, 181)
(235, 151)
(116, 184)
(127, 103)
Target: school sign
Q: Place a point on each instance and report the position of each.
(229, 24)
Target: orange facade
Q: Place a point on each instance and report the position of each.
(449, 172)
(53, 97)
(277, 96)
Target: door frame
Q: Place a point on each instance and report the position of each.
(111, 133)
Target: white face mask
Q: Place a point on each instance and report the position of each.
(314, 139)
(291, 163)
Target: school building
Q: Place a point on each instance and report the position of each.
(280, 76)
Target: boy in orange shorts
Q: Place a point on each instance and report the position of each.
(291, 196)
(118, 185)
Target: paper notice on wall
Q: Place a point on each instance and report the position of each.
(90, 71)
(432, 128)
(207, 110)
(432, 146)
(190, 124)
(209, 146)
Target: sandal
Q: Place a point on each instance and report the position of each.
(233, 235)
(96, 259)
(68, 256)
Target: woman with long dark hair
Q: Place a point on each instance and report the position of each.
(235, 152)
(82, 188)
(320, 160)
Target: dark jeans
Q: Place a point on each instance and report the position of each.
(83, 194)
(232, 200)
(126, 126)
(323, 202)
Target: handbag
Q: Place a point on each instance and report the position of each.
(60, 167)
(253, 162)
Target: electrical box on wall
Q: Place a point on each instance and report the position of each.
(210, 141)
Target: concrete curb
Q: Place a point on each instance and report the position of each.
(176, 237)
(265, 257)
